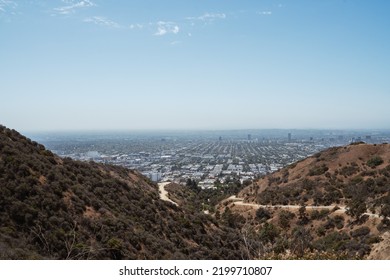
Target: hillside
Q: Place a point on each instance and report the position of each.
(337, 176)
(335, 203)
(54, 208)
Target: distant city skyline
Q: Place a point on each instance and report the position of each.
(194, 65)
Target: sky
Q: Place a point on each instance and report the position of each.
(194, 64)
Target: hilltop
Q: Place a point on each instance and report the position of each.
(58, 208)
(335, 203)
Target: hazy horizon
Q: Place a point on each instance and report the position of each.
(93, 65)
(184, 130)
(225, 134)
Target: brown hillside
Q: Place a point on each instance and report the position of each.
(327, 171)
(381, 250)
(336, 203)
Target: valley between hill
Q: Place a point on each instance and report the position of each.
(333, 205)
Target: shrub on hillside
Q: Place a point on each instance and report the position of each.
(318, 170)
(362, 231)
(374, 161)
(262, 214)
(349, 170)
(284, 218)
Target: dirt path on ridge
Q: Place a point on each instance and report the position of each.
(342, 209)
(164, 193)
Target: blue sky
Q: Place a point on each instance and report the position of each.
(205, 64)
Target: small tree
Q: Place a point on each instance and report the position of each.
(301, 241)
(303, 219)
(284, 218)
(385, 213)
(268, 233)
(356, 208)
(262, 214)
(374, 161)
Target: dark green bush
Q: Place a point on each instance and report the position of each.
(374, 161)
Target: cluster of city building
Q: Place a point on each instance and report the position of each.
(205, 159)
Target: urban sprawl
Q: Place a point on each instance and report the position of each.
(203, 158)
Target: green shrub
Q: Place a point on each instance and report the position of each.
(284, 218)
(374, 161)
(318, 170)
(362, 231)
(262, 214)
(349, 170)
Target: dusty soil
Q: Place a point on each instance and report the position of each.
(164, 193)
(381, 250)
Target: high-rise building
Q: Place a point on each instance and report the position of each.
(249, 137)
(289, 137)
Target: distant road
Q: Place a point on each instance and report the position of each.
(164, 193)
(342, 209)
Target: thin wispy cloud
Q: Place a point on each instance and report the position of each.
(206, 17)
(72, 6)
(136, 26)
(7, 4)
(166, 27)
(175, 43)
(102, 21)
(264, 13)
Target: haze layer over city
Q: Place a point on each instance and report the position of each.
(207, 157)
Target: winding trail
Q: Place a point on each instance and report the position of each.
(164, 193)
(240, 202)
(342, 209)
